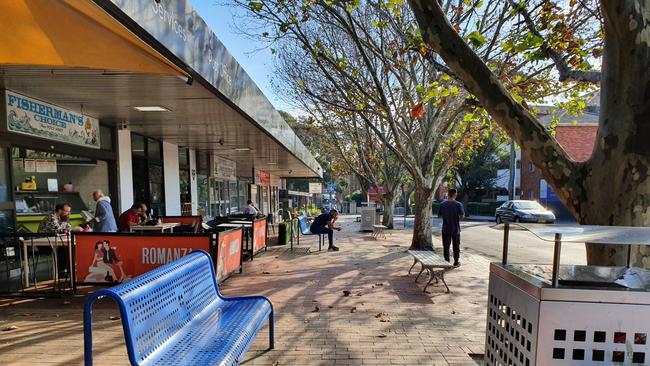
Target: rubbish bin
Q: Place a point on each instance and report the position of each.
(569, 314)
(367, 218)
(283, 233)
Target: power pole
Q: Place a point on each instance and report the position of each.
(511, 181)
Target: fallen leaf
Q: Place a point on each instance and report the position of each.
(353, 310)
(379, 284)
(359, 293)
(346, 293)
(114, 317)
(316, 309)
(381, 335)
(331, 307)
(361, 273)
(265, 272)
(453, 312)
(66, 303)
(379, 315)
(384, 320)
(11, 327)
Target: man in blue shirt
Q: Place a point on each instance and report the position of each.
(324, 224)
(451, 212)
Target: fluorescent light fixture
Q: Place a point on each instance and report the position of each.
(272, 163)
(242, 149)
(151, 108)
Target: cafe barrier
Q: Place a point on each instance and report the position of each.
(259, 235)
(118, 257)
(229, 255)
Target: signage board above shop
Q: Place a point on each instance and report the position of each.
(262, 178)
(224, 168)
(29, 116)
(315, 188)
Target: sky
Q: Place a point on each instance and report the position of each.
(257, 62)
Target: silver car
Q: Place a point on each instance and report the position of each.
(523, 211)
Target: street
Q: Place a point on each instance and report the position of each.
(481, 238)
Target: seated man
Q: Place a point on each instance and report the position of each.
(57, 221)
(130, 217)
(324, 224)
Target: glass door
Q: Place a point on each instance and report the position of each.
(10, 249)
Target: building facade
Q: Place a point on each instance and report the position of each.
(137, 98)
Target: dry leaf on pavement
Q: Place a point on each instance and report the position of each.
(114, 317)
(316, 309)
(346, 293)
(353, 310)
(11, 327)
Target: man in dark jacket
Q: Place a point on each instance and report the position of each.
(451, 212)
(324, 224)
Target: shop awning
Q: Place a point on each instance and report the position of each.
(75, 55)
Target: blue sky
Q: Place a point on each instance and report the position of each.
(258, 64)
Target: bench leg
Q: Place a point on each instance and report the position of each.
(414, 262)
(421, 270)
(271, 332)
(432, 275)
(442, 277)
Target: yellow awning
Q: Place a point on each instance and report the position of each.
(73, 33)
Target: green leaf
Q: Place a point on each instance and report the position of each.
(476, 39)
(255, 6)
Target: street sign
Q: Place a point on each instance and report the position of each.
(330, 187)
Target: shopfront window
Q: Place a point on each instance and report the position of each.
(203, 171)
(243, 194)
(148, 177)
(44, 179)
(184, 177)
(234, 198)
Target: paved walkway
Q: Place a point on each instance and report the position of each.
(385, 320)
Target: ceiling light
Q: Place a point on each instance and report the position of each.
(151, 108)
(242, 149)
(272, 163)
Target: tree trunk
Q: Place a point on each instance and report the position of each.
(388, 200)
(422, 230)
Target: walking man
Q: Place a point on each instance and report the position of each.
(324, 224)
(451, 212)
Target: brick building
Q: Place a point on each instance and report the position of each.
(577, 140)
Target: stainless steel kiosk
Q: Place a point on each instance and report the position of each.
(569, 314)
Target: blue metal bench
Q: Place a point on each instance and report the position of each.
(304, 230)
(175, 315)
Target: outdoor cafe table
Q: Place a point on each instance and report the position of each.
(51, 241)
(161, 227)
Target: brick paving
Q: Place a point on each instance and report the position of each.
(386, 319)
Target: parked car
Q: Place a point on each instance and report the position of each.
(523, 211)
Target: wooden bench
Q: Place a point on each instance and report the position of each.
(175, 315)
(378, 230)
(434, 264)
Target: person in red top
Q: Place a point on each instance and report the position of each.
(129, 218)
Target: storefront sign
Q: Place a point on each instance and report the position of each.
(33, 117)
(229, 252)
(315, 188)
(262, 178)
(224, 168)
(259, 235)
(118, 257)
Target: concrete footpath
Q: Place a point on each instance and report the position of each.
(352, 307)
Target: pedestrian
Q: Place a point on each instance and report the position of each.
(130, 217)
(324, 224)
(451, 212)
(104, 219)
(251, 210)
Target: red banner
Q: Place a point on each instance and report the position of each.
(229, 251)
(118, 257)
(259, 235)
